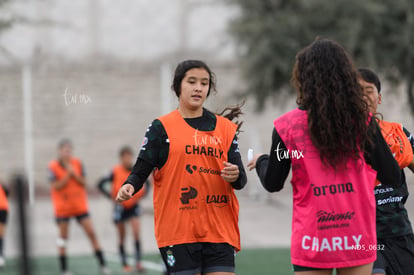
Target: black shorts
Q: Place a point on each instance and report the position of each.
(3, 216)
(79, 218)
(121, 214)
(396, 255)
(195, 258)
(298, 268)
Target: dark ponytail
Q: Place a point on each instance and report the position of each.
(233, 112)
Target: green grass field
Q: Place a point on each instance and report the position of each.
(249, 261)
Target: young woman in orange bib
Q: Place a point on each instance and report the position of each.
(197, 167)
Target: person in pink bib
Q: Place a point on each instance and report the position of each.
(335, 150)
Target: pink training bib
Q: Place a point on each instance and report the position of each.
(333, 223)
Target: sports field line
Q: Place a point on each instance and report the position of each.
(150, 265)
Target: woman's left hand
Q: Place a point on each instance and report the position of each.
(230, 172)
(252, 164)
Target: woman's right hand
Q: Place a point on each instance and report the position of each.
(125, 193)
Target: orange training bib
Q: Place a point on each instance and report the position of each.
(398, 142)
(192, 202)
(120, 175)
(71, 200)
(4, 204)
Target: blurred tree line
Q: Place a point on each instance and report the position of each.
(378, 34)
(5, 21)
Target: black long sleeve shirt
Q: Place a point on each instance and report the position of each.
(273, 172)
(155, 149)
(105, 185)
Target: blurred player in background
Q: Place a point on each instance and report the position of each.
(4, 211)
(395, 254)
(69, 197)
(198, 166)
(127, 211)
(327, 141)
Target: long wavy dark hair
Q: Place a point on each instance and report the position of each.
(230, 112)
(327, 83)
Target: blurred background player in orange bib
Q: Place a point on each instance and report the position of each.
(4, 211)
(127, 211)
(69, 198)
(198, 165)
(395, 254)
